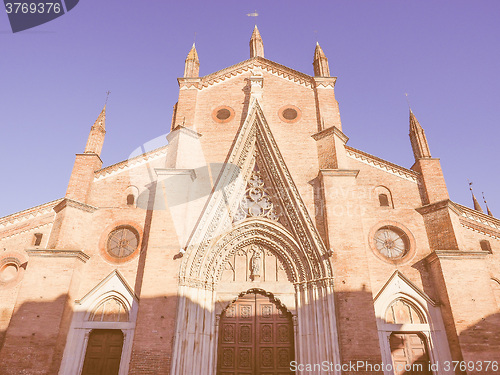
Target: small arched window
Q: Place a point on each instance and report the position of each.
(383, 197)
(383, 200)
(130, 199)
(485, 246)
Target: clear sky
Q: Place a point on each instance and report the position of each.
(445, 54)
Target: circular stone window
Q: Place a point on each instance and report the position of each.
(122, 242)
(289, 114)
(8, 272)
(222, 114)
(11, 270)
(391, 242)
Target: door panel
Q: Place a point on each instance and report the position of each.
(104, 350)
(255, 338)
(409, 350)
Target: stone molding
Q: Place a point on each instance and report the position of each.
(29, 213)
(455, 254)
(477, 221)
(325, 82)
(47, 253)
(175, 172)
(331, 130)
(66, 202)
(180, 128)
(339, 172)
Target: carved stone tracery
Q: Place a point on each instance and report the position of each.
(257, 201)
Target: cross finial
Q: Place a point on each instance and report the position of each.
(408, 100)
(254, 14)
(107, 95)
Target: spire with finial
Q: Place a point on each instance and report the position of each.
(418, 139)
(192, 65)
(477, 206)
(487, 208)
(256, 44)
(97, 132)
(320, 63)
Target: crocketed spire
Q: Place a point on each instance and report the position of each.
(418, 139)
(320, 63)
(256, 44)
(192, 65)
(96, 136)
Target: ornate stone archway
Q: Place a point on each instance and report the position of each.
(203, 297)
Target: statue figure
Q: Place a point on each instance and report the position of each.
(255, 263)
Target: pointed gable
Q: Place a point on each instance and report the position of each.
(255, 145)
(114, 291)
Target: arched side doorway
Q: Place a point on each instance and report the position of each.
(255, 337)
(411, 331)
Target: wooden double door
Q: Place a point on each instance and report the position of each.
(104, 352)
(255, 338)
(409, 354)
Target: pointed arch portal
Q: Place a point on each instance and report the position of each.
(289, 246)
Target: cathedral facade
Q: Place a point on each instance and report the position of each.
(255, 242)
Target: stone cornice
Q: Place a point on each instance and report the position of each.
(477, 221)
(30, 213)
(454, 254)
(25, 228)
(480, 229)
(325, 82)
(176, 172)
(66, 202)
(339, 172)
(331, 130)
(476, 216)
(90, 154)
(129, 163)
(52, 253)
(384, 165)
(414, 164)
(184, 130)
(189, 82)
(429, 208)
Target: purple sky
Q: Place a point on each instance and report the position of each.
(445, 54)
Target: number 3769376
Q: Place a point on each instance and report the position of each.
(33, 8)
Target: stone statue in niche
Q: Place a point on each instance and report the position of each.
(255, 264)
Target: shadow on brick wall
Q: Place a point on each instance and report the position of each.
(36, 337)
